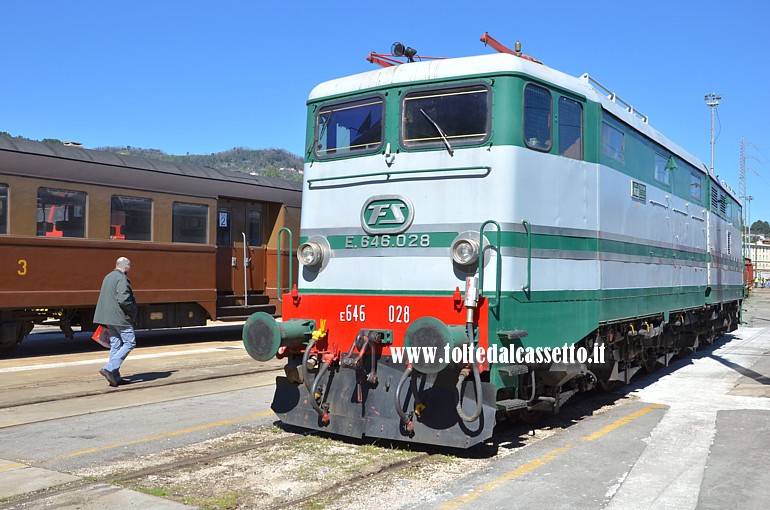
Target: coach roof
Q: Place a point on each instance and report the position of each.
(83, 165)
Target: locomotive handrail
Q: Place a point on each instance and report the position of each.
(310, 182)
(614, 98)
(528, 287)
(499, 261)
(291, 243)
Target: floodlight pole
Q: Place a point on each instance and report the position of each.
(748, 206)
(712, 101)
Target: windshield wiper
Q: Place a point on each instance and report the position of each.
(317, 136)
(440, 132)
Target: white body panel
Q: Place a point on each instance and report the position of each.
(556, 195)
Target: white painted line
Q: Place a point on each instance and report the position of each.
(101, 360)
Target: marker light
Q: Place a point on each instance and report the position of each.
(465, 251)
(310, 254)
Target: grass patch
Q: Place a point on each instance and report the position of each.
(159, 492)
(226, 501)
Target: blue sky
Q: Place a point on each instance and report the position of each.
(199, 77)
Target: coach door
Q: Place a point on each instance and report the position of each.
(240, 250)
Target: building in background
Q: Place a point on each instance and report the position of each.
(759, 252)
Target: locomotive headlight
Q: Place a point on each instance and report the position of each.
(465, 251)
(310, 254)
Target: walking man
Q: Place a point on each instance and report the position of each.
(116, 312)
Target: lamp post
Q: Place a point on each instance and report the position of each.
(748, 207)
(712, 101)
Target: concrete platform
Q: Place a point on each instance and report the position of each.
(697, 437)
(17, 479)
(20, 480)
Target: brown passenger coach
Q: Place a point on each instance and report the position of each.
(202, 242)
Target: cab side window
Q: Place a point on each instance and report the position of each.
(570, 128)
(537, 117)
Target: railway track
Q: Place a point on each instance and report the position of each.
(140, 478)
(131, 387)
(342, 487)
(86, 483)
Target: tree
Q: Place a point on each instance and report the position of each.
(272, 173)
(760, 227)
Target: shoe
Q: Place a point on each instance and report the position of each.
(120, 378)
(108, 375)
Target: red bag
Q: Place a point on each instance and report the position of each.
(102, 337)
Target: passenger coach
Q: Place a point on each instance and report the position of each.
(203, 242)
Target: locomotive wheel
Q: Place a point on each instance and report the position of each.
(530, 417)
(606, 385)
(686, 351)
(12, 335)
(648, 361)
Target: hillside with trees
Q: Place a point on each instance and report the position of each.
(268, 162)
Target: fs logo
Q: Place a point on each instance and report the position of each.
(387, 214)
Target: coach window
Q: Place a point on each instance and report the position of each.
(696, 186)
(131, 218)
(255, 227)
(349, 128)
(189, 223)
(224, 236)
(570, 128)
(537, 117)
(612, 142)
(3, 208)
(446, 118)
(61, 213)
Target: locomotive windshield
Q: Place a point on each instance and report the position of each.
(436, 117)
(349, 128)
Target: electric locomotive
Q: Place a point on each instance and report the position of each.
(489, 205)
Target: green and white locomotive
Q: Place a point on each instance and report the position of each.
(489, 204)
